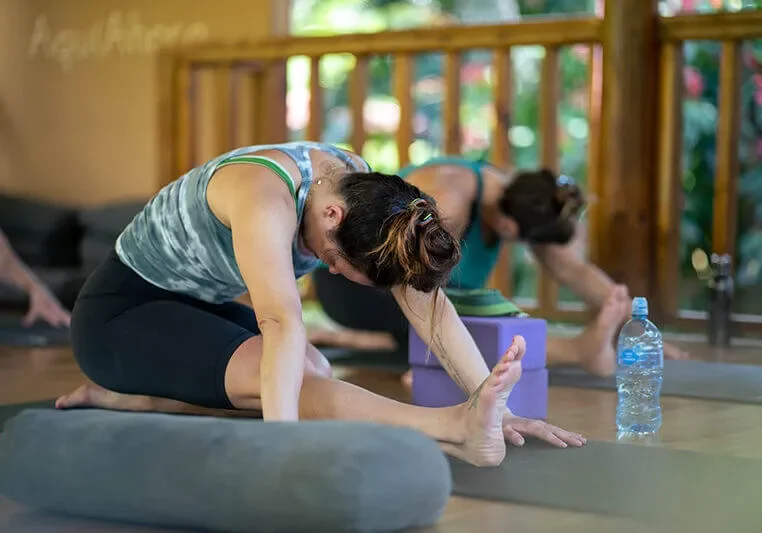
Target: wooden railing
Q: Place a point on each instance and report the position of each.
(731, 30)
(634, 230)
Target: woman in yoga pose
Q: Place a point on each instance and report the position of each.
(155, 327)
(484, 206)
(43, 304)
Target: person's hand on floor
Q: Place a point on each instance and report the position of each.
(43, 305)
(516, 428)
(673, 352)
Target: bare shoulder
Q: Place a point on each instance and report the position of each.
(444, 182)
(499, 176)
(249, 187)
(356, 159)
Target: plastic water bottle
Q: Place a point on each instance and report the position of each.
(640, 371)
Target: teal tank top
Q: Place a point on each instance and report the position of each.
(178, 244)
(478, 259)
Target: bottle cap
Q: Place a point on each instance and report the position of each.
(639, 306)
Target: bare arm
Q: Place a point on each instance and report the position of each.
(13, 271)
(451, 342)
(263, 221)
(42, 303)
(582, 277)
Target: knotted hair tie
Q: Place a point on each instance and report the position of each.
(428, 217)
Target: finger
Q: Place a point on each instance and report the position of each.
(30, 317)
(513, 436)
(574, 439)
(544, 432)
(64, 318)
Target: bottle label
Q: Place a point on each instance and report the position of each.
(631, 356)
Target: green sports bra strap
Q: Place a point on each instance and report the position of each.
(265, 162)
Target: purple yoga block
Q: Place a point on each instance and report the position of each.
(493, 335)
(432, 387)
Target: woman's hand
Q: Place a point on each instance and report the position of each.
(515, 428)
(43, 305)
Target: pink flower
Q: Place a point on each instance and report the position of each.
(581, 52)
(694, 82)
(473, 73)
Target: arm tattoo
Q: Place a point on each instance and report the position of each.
(474, 399)
(444, 358)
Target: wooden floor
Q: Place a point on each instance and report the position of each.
(733, 429)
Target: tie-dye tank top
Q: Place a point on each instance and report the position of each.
(178, 244)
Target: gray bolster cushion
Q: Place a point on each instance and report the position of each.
(223, 474)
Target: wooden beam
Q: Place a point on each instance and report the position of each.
(550, 92)
(275, 93)
(165, 111)
(727, 26)
(669, 184)
(451, 119)
(728, 129)
(258, 106)
(594, 178)
(358, 92)
(182, 132)
(403, 80)
(223, 111)
(501, 156)
(315, 126)
(629, 78)
(548, 31)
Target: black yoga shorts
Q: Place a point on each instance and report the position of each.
(132, 337)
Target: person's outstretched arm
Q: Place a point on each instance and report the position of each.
(569, 268)
(450, 341)
(586, 281)
(459, 355)
(42, 303)
(262, 217)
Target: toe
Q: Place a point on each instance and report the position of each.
(521, 345)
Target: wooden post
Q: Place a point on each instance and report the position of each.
(627, 162)
(502, 156)
(403, 80)
(550, 91)
(669, 187)
(451, 106)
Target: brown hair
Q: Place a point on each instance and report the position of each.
(393, 233)
(544, 206)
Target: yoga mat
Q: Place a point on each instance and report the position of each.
(10, 410)
(689, 379)
(14, 333)
(704, 492)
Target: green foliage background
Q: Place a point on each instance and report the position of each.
(328, 17)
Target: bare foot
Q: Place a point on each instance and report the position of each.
(95, 396)
(594, 347)
(91, 395)
(484, 443)
(673, 352)
(407, 381)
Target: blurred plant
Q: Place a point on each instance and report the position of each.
(381, 113)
